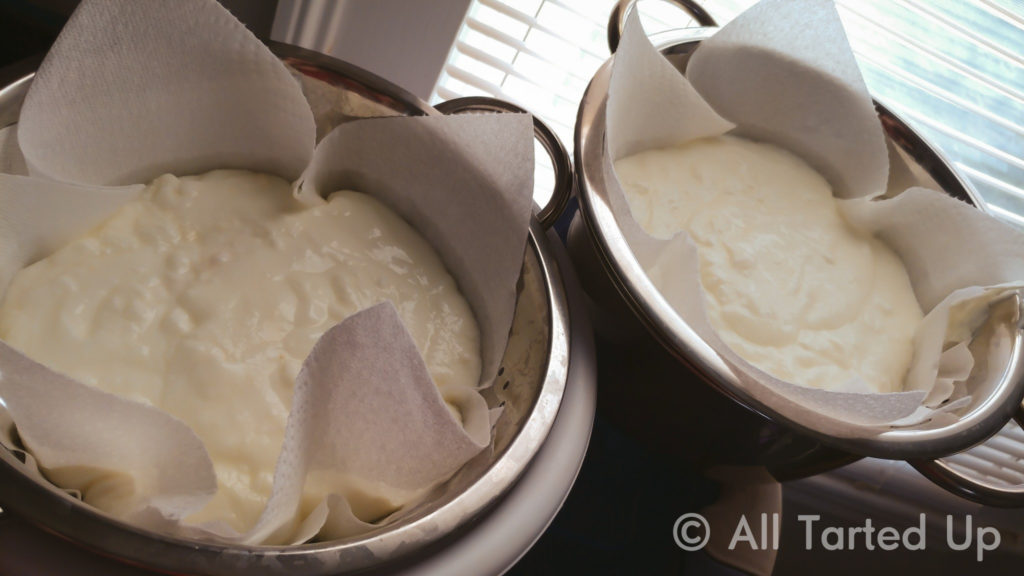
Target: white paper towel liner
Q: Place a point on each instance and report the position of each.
(783, 72)
(364, 407)
(948, 242)
(959, 261)
(11, 159)
(40, 216)
(673, 265)
(365, 385)
(682, 114)
(137, 88)
(465, 213)
(475, 175)
(130, 459)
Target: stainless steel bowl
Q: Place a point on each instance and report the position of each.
(767, 429)
(530, 387)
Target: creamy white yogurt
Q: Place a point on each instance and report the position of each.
(789, 285)
(204, 296)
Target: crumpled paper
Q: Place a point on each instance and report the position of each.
(136, 88)
(782, 72)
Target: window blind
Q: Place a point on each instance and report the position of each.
(540, 54)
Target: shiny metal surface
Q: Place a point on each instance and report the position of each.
(617, 19)
(530, 389)
(997, 397)
(560, 161)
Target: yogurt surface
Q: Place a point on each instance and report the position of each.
(204, 296)
(788, 284)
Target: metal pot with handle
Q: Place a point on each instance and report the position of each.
(661, 382)
(542, 358)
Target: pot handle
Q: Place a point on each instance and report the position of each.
(560, 161)
(987, 494)
(618, 18)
